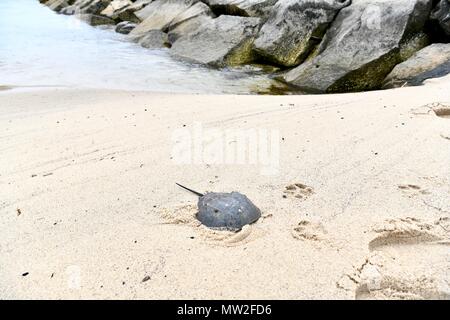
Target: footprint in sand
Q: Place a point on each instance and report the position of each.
(411, 190)
(309, 231)
(186, 215)
(408, 231)
(441, 110)
(298, 190)
(409, 259)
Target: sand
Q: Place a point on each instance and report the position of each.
(355, 198)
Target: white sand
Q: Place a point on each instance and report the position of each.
(91, 174)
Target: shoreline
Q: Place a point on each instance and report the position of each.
(91, 209)
(321, 57)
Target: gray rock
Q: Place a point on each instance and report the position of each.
(58, 5)
(431, 61)
(294, 27)
(189, 21)
(442, 15)
(86, 7)
(245, 8)
(226, 40)
(95, 20)
(155, 39)
(412, 44)
(196, 10)
(159, 14)
(188, 27)
(127, 13)
(94, 6)
(362, 46)
(68, 10)
(125, 27)
(113, 9)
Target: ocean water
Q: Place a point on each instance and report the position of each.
(40, 48)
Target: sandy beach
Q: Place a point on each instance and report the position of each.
(358, 206)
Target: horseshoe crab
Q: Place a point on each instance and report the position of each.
(229, 211)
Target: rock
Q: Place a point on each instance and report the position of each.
(198, 9)
(362, 46)
(189, 21)
(226, 40)
(86, 7)
(188, 27)
(68, 10)
(283, 42)
(95, 6)
(159, 14)
(431, 61)
(127, 13)
(95, 20)
(155, 39)
(413, 44)
(58, 5)
(113, 9)
(244, 8)
(442, 15)
(125, 27)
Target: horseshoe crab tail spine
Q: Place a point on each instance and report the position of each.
(186, 188)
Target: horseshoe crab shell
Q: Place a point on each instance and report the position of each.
(229, 211)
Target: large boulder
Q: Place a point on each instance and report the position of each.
(95, 19)
(125, 27)
(128, 13)
(113, 9)
(58, 5)
(294, 27)
(188, 27)
(442, 15)
(95, 6)
(362, 46)
(197, 10)
(226, 40)
(432, 61)
(155, 39)
(245, 8)
(86, 7)
(159, 14)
